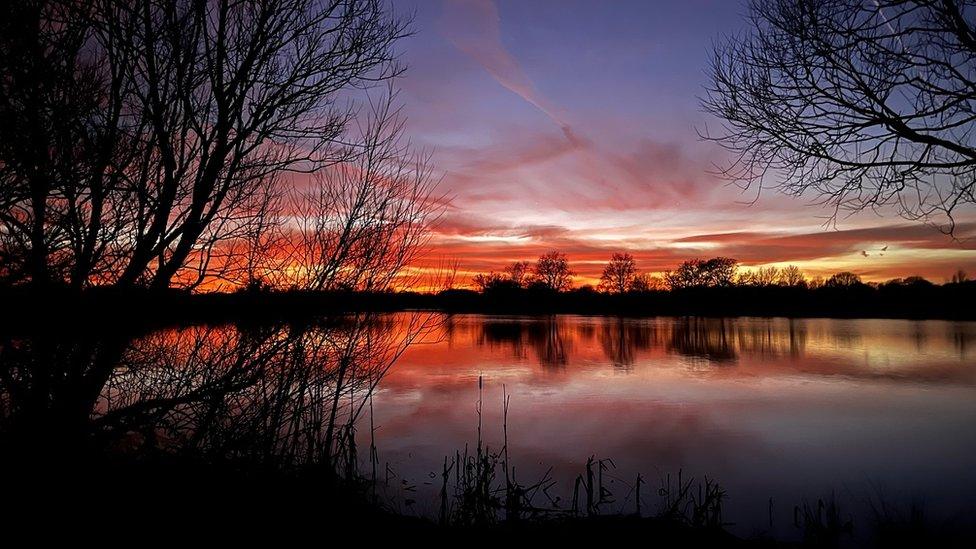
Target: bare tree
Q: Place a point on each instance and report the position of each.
(844, 279)
(488, 281)
(792, 276)
(862, 104)
(699, 273)
(619, 274)
(761, 276)
(59, 115)
(552, 271)
(363, 221)
(518, 272)
(644, 282)
(276, 395)
(180, 112)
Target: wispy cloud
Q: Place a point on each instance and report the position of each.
(894, 250)
(474, 27)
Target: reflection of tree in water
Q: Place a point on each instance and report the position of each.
(502, 333)
(546, 337)
(283, 394)
(709, 338)
(765, 338)
(449, 328)
(844, 335)
(49, 385)
(919, 335)
(553, 339)
(798, 338)
(962, 338)
(723, 340)
(622, 338)
(587, 331)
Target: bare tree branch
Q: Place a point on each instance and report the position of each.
(861, 104)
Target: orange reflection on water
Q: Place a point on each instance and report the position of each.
(771, 407)
(716, 347)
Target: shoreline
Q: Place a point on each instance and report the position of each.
(113, 308)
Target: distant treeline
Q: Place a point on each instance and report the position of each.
(715, 286)
(112, 309)
(914, 300)
(621, 276)
(704, 287)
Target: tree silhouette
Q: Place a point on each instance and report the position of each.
(863, 104)
(56, 140)
(619, 274)
(792, 276)
(279, 394)
(644, 282)
(844, 279)
(518, 272)
(552, 271)
(488, 281)
(763, 276)
(699, 273)
(140, 140)
(361, 222)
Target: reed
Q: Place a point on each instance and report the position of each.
(480, 487)
(823, 524)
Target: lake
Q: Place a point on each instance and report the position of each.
(789, 409)
(780, 412)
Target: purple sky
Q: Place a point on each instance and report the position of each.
(571, 125)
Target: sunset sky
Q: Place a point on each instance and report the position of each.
(571, 125)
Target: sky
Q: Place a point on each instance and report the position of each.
(573, 125)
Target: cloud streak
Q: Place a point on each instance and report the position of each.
(482, 245)
(474, 27)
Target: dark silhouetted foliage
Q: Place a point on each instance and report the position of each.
(552, 271)
(700, 273)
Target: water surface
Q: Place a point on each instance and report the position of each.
(778, 411)
(791, 410)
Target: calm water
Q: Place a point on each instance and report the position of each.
(778, 411)
(771, 408)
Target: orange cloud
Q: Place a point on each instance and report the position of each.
(899, 250)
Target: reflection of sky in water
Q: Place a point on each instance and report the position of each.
(769, 407)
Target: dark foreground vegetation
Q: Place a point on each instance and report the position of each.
(115, 501)
(168, 498)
